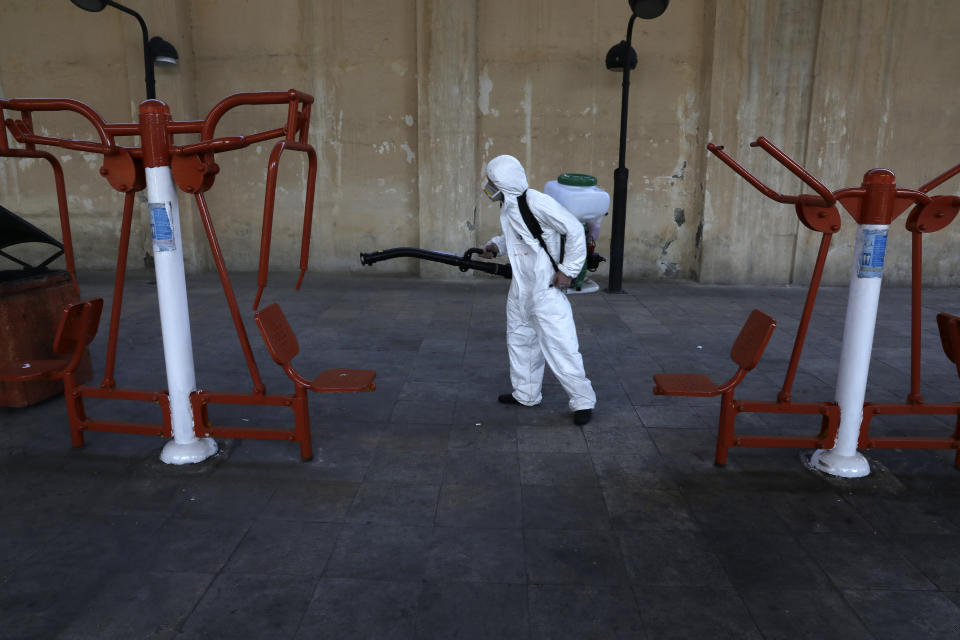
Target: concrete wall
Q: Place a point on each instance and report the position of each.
(413, 97)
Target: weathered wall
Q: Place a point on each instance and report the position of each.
(414, 97)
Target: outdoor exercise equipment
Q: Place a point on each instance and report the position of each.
(873, 205)
(159, 166)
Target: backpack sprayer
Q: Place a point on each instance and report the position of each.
(577, 192)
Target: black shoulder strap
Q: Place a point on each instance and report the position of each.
(536, 230)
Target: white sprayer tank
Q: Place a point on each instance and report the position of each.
(580, 195)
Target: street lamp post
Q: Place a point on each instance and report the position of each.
(156, 50)
(622, 57)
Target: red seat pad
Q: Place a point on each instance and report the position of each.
(684, 384)
(32, 370)
(344, 381)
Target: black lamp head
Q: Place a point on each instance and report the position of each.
(646, 9)
(619, 55)
(162, 52)
(90, 5)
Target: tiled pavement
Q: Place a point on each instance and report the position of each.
(431, 511)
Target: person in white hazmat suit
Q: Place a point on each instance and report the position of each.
(540, 324)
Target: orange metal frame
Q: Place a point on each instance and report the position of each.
(878, 201)
(194, 169)
(30, 151)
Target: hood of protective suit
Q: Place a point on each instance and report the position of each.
(507, 173)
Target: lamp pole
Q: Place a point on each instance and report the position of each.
(622, 57)
(147, 58)
(621, 173)
(168, 53)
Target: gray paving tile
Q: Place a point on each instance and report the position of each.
(223, 497)
(675, 613)
(411, 504)
(554, 438)
(284, 547)
(406, 467)
(640, 471)
(937, 556)
(821, 512)
(485, 507)
(250, 605)
(100, 543)
(906, 614)
(196, 544)
(340, 464)
(722, 509)
(560, 611)
(671, 559)
(39, 599)
(861, 562)
(472, 611)
(801, 614)
(907, 514)
(622, 433)
(557, 469)
(325, 502)
(553, 507)
(487, 436)
(482, 555)
(380, 552)
(416, 437)
(481, 468)
(419, 412)
(774, 561)
(138, 605)
(573, 557)
(372, 609)
(636, 508)
(671, 417)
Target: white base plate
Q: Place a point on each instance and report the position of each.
(191, 452)
(828, 461)
(588, 286)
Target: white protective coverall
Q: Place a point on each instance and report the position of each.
(539, 319)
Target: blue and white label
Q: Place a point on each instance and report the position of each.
(160, 228)
(872, 251)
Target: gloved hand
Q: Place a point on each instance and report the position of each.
(490, 250)
(561, 280)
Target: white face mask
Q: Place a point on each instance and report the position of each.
(492, 191)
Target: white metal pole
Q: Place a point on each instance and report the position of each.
(174, 318)
(865, 277)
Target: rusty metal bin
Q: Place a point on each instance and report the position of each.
(30, 308)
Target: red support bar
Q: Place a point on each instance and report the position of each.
(795, 168)
(268, 206)
(118, 281)
(258, 387)
(749, 177)
(943, 177)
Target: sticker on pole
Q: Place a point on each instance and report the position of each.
(872, 253)
(160, 228)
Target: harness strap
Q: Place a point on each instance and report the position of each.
(536, 230)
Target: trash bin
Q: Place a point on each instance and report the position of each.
(32, 298)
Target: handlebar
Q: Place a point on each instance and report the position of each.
(295, 130)
(785, 160)
(795, 168)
